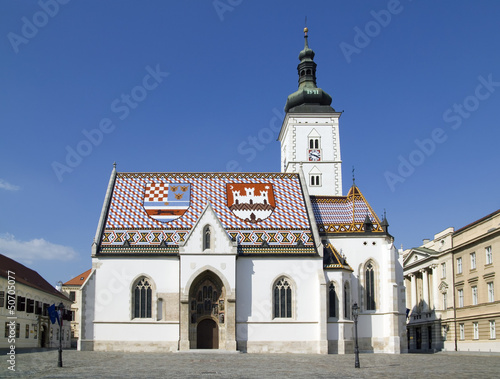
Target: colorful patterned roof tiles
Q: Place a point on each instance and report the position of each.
(344, 214)
(149, 208)
(332, 259)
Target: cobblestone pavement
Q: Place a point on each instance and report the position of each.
(43, 364)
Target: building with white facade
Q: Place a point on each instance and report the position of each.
(429, 292)
(73, 289)
(25, 298)
(255, 262)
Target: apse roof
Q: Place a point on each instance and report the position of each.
(344, 214)
(159, 209)
(332, 259)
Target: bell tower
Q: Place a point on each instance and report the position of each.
(309, 134)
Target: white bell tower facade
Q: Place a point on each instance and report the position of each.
(309, 135)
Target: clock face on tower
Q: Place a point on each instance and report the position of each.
(314, 155)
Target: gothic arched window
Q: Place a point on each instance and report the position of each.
(332, 301)
(143, 293)
(370, 286)
(207, 235)
(282, 298)
(347, 301)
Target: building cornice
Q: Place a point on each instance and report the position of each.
(465, 245)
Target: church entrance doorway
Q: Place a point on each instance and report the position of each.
(207, 312)
(207, 334)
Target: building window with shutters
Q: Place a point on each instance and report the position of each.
(21, 303)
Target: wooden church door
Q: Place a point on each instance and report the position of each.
(207, 333)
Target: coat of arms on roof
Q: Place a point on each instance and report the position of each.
(251, 202)
(166, 201)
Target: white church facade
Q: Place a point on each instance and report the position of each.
(255, 262)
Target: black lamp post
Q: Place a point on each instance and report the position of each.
(61, 309)
(355, 313)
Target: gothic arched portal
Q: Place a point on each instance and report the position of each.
(206, 311)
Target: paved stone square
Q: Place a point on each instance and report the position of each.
(43, 364)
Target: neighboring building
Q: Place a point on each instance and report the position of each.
(429, 292)
(451, 285)
(73, 289)
(33, 295)
(476, 254)
(256, 262)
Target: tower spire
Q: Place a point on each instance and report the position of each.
(308, 93)
(306, 44)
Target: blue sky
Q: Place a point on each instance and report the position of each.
(187, 85)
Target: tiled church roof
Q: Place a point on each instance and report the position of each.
(129, 222)
(344, 214)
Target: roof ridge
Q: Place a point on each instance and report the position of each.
(27, 276)
(79, 278)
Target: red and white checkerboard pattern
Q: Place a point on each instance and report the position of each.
(156, 192)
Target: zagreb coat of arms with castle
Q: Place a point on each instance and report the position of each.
(251, 202)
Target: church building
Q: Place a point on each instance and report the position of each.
(250, 262)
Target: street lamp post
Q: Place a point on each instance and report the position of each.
(355, 313)
(61, 309)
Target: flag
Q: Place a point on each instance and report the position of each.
(52, 313)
